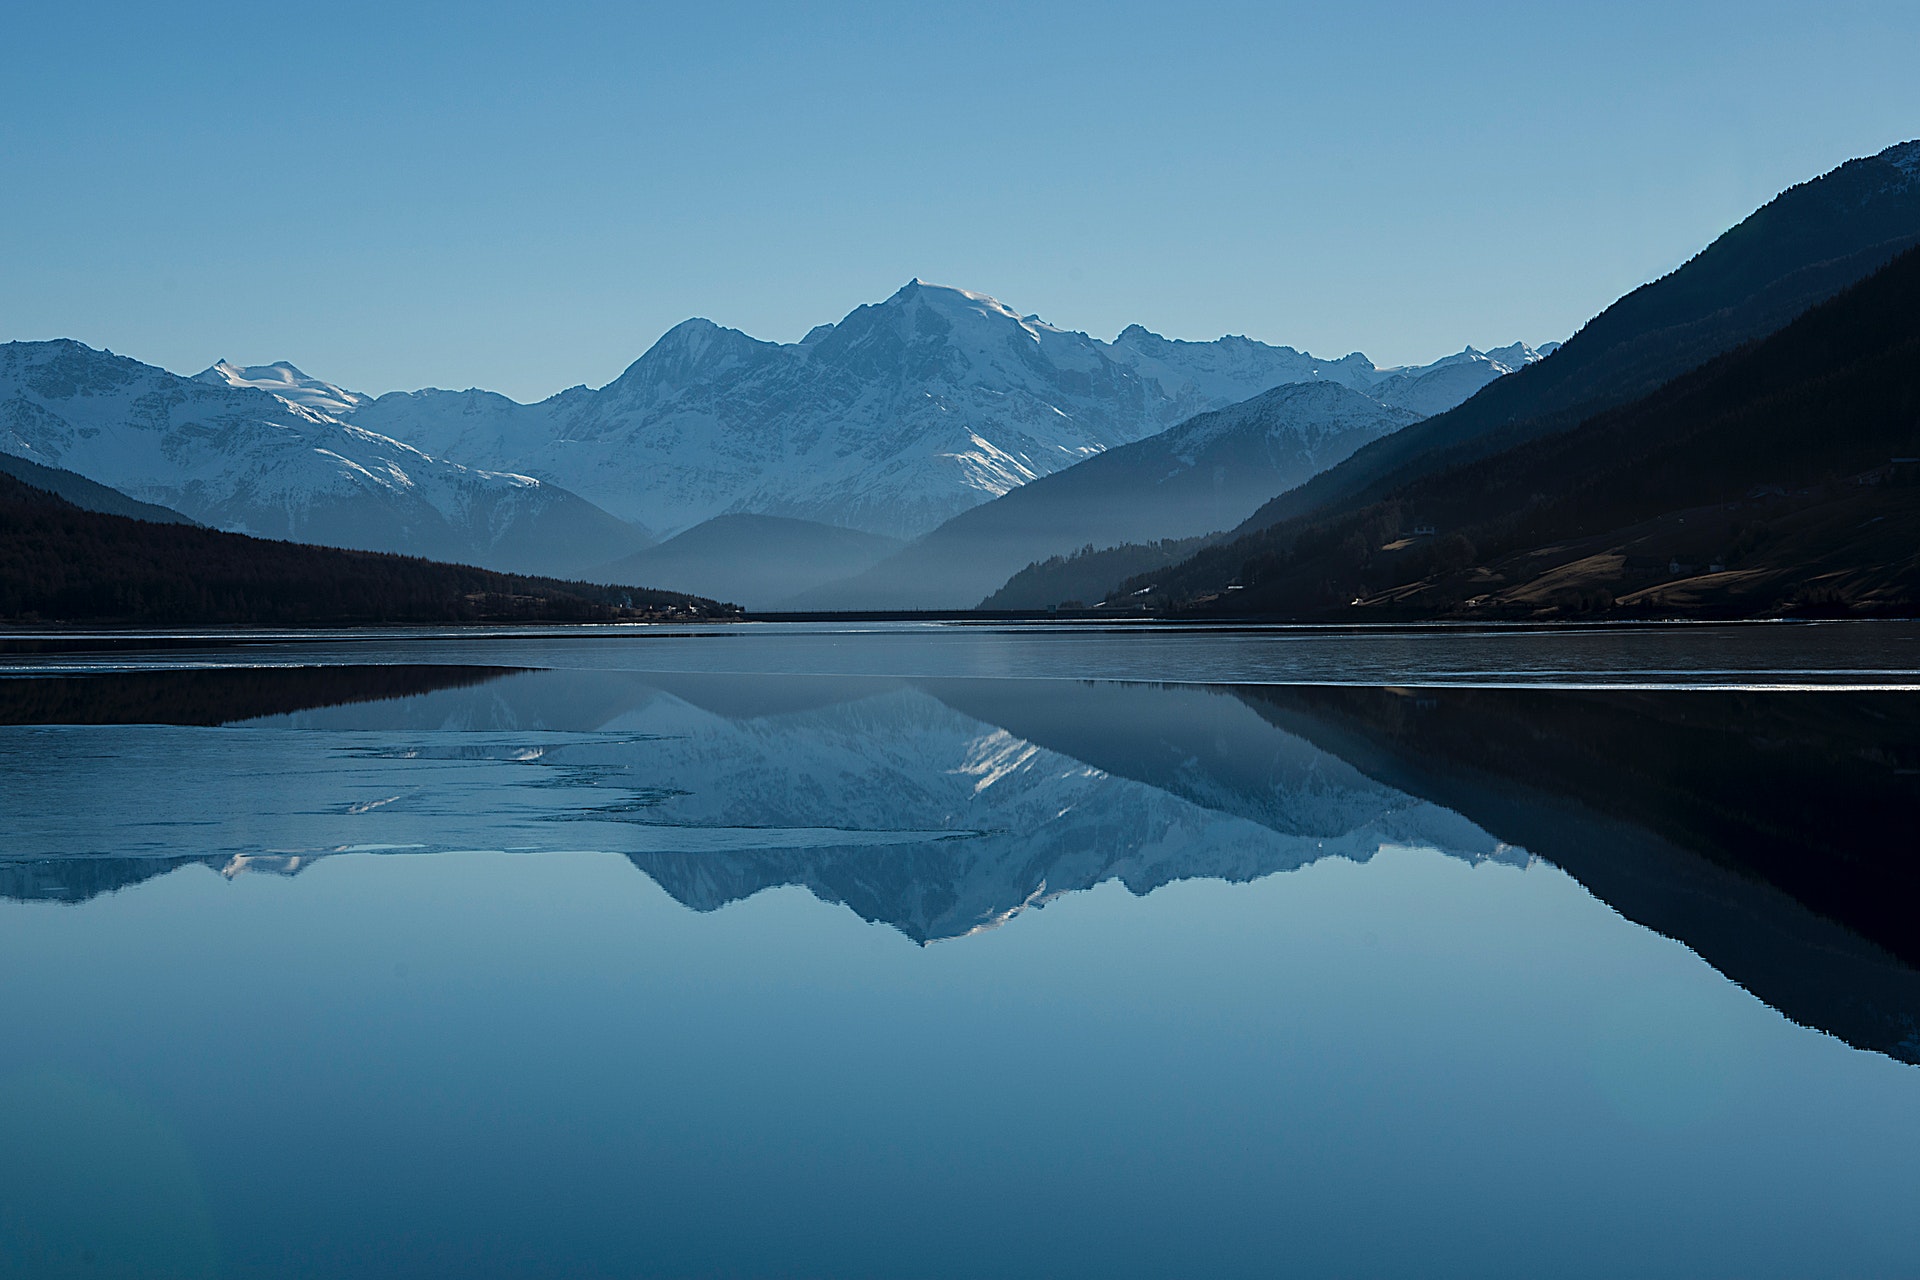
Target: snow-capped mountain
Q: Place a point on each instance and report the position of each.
(903, 414)
(289, 384)
(1220, 371)
(1207, 474)
(238, 457)
(1451, 380)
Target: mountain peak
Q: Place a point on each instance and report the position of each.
(919, 313)
(693, 351)
(279, 370)
(1516, 355)
(912, 408)
(947, 298)
(285, 381)
(1904, 156)
(695, 331)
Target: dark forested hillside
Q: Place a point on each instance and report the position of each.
(1804, 246)
(84, 493)
(1778, 478)
(1089, 574)
(61, 563)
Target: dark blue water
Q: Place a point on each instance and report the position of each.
(794, 952)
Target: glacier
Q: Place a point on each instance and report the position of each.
(282, 379)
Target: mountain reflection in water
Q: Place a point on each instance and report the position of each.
(1768, 832)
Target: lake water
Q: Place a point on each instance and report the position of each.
(927, 950)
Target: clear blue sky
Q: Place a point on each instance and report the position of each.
(524, 197)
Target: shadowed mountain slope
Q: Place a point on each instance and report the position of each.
(84, 493)
(1804, 246)
(1200, 476)
(1087, 577)
(753, 561)
(1769, 480)
(59, 562)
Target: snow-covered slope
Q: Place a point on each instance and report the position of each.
(1451, 380)
(288, 383)
(1221, 370)
(1207, 474)
(903, 414)
(244, 459)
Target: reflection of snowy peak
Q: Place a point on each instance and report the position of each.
(911, 803)
(903, 414)
(1028, 823)
(901, 802)
(229, 453)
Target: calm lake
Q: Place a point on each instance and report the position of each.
(941, 950)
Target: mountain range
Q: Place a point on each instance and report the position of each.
(990, 443)
(900, 416)
(244, 460)
(903, 414)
